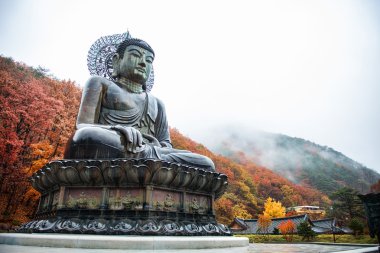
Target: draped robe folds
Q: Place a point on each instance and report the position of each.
(149, 117)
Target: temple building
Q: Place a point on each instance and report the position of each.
(324, 226)
(314, 212)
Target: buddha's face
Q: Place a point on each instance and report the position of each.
(135, 64)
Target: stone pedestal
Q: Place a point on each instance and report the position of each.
(137, 197)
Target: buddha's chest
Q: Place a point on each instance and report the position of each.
(121, 100)
(130, 109)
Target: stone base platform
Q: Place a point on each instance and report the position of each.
(123, 242)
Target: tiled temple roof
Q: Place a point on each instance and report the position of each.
(250, 226)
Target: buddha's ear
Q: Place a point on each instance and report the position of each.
(115, 64)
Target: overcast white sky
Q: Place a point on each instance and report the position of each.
(309, 69)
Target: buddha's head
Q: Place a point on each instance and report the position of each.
(133, 61)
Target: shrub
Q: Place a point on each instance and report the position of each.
(357, 226)
(304, 230)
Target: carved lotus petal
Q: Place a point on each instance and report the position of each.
(163, 176)
(61, 177)
(124, 164)
(182, 178)
(187, 176)
(132, 174)
(200, 182)
(144, 174)
(169, 175)
(216, 184)
(103, 165)
(37, 178)
(72, 175)
(51, 173)
(45, 181)
(209, 180)
(195, 177)
(223, 186)
(35, 184)
(92, 175)
(176, 181)
(114, 175)
(55, 166)
(153, 165)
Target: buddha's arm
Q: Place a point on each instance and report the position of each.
(161, 126)
(91, 102)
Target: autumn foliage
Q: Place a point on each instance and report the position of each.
(376, 187)
(287, 229)
(37, 117)
(273, 209)
(264, 223)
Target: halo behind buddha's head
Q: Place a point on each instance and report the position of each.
(99, 58)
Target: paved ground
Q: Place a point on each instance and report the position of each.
(253, 248)
(297, 248)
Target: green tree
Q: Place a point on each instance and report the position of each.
(346, 205)
(304, 230)
(357, 226)
(276, 231)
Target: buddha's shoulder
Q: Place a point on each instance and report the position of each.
(99, 82)
(156, 100)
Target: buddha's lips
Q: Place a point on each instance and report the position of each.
(141, 70)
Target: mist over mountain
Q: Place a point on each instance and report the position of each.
(301, 161)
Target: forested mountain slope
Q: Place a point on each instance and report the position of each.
(300, 161)
(250, 184)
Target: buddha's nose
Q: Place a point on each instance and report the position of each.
(142, 62)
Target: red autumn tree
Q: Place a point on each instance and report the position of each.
(36, 115)
(287, 229)
(376, 187)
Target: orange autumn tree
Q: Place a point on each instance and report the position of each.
(287, 229)
(376, 187)
(273, 209)
(264, 223)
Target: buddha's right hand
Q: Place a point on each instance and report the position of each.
(133, 138)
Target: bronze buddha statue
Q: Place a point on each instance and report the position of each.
(120, 119)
